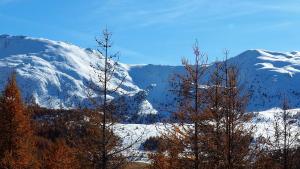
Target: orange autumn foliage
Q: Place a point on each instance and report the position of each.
(59, 155)
(16, 142)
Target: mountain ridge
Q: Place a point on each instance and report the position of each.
(46, 68)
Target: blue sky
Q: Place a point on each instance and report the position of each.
(159, 31)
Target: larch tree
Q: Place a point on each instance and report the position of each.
(238, 133)
(228, 133)
(108, 148)
(185, 135)
(214, 110)
(16, 141)
(211, 129)
(59, 155)
(191, 106)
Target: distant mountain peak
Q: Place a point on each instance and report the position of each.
(54, 72)
(51, 71)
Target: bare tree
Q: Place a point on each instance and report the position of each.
(215, 112)
(110, 153)
(229, 131)
(286, 136)
(191, 109)
(185, 135)
(238, 135)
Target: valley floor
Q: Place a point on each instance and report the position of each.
(141, 132)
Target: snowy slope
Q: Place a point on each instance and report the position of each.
(57, 73)
(267, 75)
(139, 133)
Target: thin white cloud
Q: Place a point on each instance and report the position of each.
(178, 11)
(146, 14)
(3, 2)
(166, 15)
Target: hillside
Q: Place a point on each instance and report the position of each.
(268, 76)
(56, 74)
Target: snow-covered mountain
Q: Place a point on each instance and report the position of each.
(268, 76)
(57, 73)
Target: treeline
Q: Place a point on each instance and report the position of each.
(34, 137)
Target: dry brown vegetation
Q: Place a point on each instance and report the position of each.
(137, 165)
